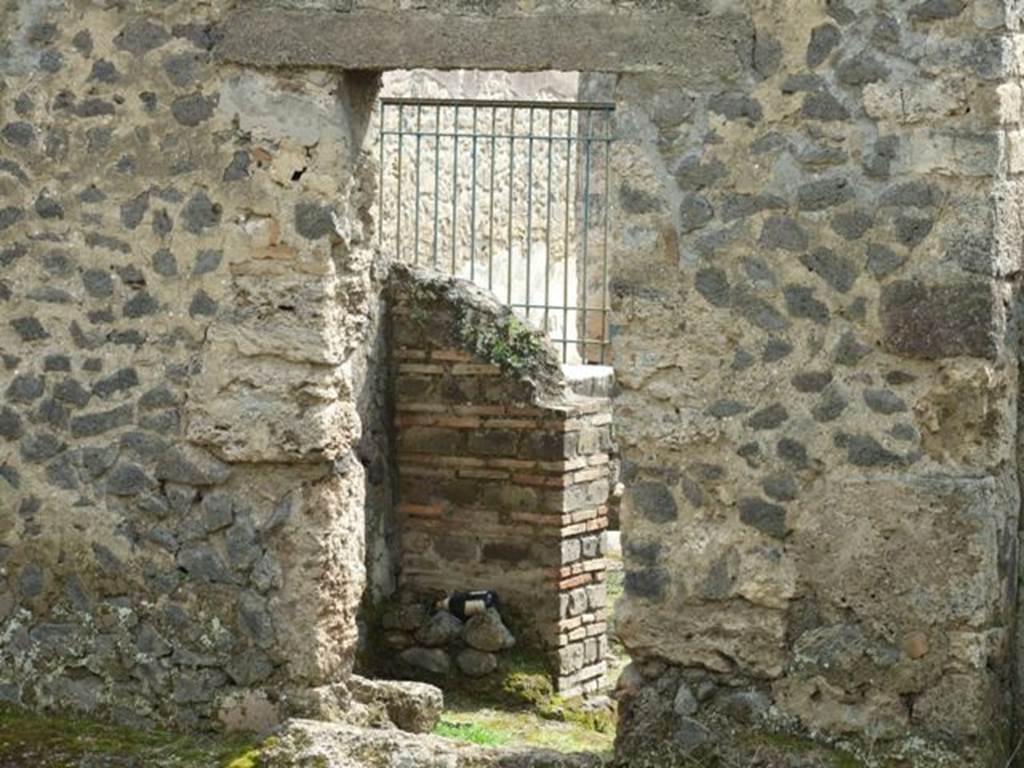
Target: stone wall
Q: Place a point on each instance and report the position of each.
(186, 295)
(813, 335)
(503, 484)
(814, 322)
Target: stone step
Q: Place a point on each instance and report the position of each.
(590, 380)
(311, 742)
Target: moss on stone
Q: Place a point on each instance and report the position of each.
(507, 342)
(58, 740)
(789, 744)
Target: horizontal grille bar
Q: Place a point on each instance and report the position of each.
(499, 104)
(506, 136)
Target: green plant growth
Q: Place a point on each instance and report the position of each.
(520, 728)
(474, 733)
(509, 342)
(788, 744)
(60, 741)
(520, 705)
(517, 704)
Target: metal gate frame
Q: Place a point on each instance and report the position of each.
(436, 122)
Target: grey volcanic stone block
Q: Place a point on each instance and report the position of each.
(440, 629)
(430, 659)
(932, 321)
(476, 663)
(191, 466)
(487, 632)
(654, 501)
(767, 518)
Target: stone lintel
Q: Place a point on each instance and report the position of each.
(709, 49)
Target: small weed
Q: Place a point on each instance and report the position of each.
(474, 733)
(508, 342)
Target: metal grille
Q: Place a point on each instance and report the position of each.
(502, 193)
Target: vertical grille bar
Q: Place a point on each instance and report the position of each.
(604, 247)
(437, 178)
(511, 197)
(547, 226)
(472, 209)
(585, 237)
(398, 206)
(419, 141)
(529, 213)
(514, 157)
(494, 153)
(380, 184)
(455, 191)
(568, 202)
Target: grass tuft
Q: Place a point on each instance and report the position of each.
(474, 733)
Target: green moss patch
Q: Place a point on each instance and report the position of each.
(58, 741)
(508, 342)
(473, 732)
(783, 744)
(520, 728)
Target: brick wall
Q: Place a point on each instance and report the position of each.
(503, 484)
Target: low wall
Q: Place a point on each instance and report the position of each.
(503, 473)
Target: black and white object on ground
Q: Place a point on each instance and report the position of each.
(462, 605)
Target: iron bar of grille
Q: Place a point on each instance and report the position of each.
(537, 137)
(529, 212)
(490, 247)
(398, 196)
(380, 184)
(547, 227)
(472, 209)
(513, 158)
(582, 106)
(585, 237)
(419, 140)
(455, 193)
(604, 247)
(437, 178)
(565, 231)
(511, 193)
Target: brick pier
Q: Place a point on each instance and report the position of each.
(498, 490)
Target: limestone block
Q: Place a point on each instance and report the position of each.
(904, 102)
(249, 711)
(307, 742)
(278, 109)
(930, 546)
(722, 636)
(957, 705)
(320, 548)
(822, 706)
(413, 707)
(264, 408)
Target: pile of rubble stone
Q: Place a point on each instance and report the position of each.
(439, 643)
